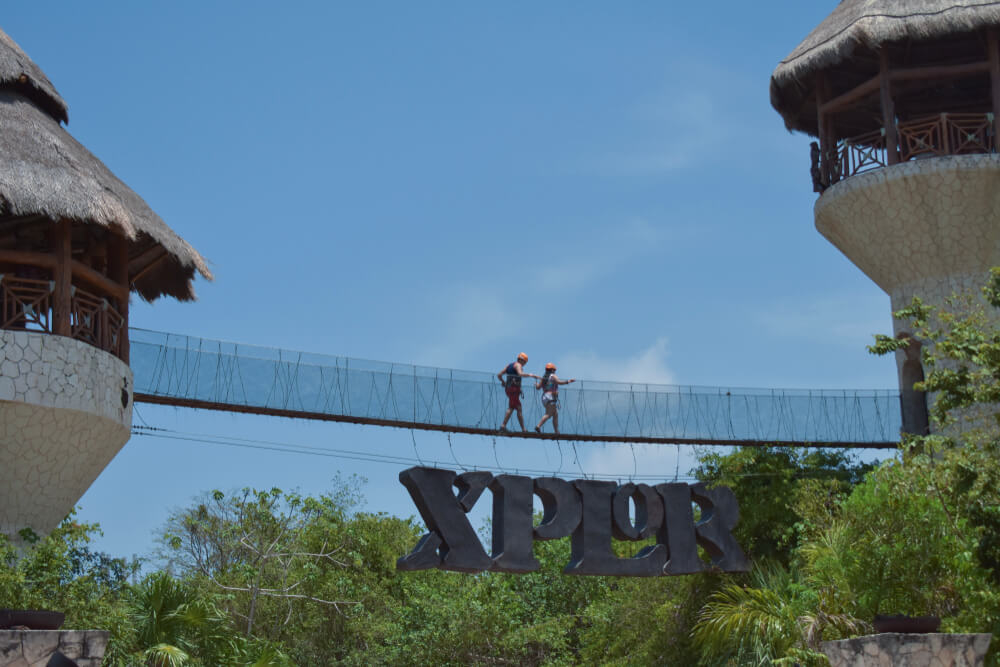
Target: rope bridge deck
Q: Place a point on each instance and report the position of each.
(187, 371)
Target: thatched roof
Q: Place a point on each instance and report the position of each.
(857, 26)
(46, 172)
(19, 72)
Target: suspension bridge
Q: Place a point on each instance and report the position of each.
(188, 371)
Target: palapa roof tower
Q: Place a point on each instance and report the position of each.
(903, 98)
(75, 242)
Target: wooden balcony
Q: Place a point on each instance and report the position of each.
(27, 304)
(930, 136)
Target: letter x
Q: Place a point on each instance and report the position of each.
(452, 543)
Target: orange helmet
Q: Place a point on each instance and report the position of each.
(522, 357)
(550, 366)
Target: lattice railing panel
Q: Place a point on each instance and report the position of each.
(26, 304)
(930, 136)
(860, 154)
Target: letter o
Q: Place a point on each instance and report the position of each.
(648, 512)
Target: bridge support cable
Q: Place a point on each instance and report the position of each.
(416, 450)
(157, 433)
(198, 373)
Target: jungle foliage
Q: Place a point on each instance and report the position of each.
(265, 577)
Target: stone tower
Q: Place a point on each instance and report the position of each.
(75, 242)
(903, 98)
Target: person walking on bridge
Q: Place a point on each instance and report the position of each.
(549, 384)
(510, 378)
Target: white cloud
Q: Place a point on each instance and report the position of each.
(471, 316)
(647, 366)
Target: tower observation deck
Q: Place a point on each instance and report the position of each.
(75, 244)
(903, 99)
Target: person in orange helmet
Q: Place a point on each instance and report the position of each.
(549, 384)
(514, 371)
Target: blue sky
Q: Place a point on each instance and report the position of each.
(602, 185)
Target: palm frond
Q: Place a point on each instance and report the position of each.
(749, 617)
(166, 655)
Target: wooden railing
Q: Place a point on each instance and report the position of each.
(859, 154)
(26, 304)
(946, 134)
(931, 136)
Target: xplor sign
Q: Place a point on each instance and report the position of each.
(589, 511)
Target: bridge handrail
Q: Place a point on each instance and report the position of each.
(205, 373)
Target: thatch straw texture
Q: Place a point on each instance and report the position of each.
(43, 170)
(18, 71)
(869, 23)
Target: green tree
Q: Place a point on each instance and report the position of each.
(493, 618)
(252, 548)
(784, 492)
(646, 621)
(61, 572)
(889, 547)
(175, 626)
(302, 576)
(775, 620)
(917, 536)
(961, 359)
(960, 354)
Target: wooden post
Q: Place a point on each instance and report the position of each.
(888, 108)
(994, 60)
(945, 134)
(822, 129)
(62, 304)
(118, 272)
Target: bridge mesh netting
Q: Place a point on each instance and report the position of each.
(190, 371)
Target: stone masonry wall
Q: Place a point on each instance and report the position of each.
(35, 648)
(926, 228)
(59, 372)
(65, 411)
(919, 220)
(892, 649)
